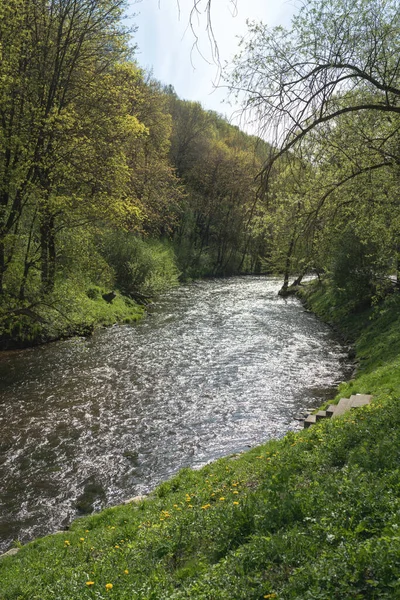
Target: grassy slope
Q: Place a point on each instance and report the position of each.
(69, 311)
(314, 516)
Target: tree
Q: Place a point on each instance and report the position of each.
(339, 57)
(56, 55)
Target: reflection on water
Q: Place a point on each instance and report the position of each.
(216, 367)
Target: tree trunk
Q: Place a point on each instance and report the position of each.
(48, 252)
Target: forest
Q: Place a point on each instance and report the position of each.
(111, 184)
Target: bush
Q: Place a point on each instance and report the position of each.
(142, 268)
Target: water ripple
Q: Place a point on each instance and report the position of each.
(216, 367)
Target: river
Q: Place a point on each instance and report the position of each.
(216, 367)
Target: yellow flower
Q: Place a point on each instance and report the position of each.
(222, 499)
(270, 596)
(235, 492)
(236, 503)
(126, 572)
(67, 543)
(90, 583)
(109, 586)
(116, 546)
(206, 506)
(81, 539)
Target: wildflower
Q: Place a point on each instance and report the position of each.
(222, 499)
(81, 539)
(67, 543)
(236, 503)
(206, 506)
(270, 596)
(90, 583)
(116, 547)
(109, 586)
(235, 492)
(126, 572)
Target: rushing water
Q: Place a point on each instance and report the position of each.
(216, 367)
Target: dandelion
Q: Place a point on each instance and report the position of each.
(235, 492)
(222, 499)
(67, 543)
(81, 539)
(109, 586)
(270, 596)
(116, 547)
(126, 572)
(236, 503)
(89, 583)
(206, 506)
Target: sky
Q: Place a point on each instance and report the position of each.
(165, 42)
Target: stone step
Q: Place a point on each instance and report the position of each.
(321, 414)
(310, 420)
(360, 400)
(330, 410)
(335, 410)
(341, 407)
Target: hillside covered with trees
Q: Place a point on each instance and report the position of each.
(108, 181)
(326, 91)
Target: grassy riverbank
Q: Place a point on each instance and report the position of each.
(71, 310)
(313, 516)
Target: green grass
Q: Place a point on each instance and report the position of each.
(72, 309)
(315, 516)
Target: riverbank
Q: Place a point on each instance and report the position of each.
(67, 313)
(315, 515)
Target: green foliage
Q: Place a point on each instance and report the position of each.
(354, 267)
(143, 268)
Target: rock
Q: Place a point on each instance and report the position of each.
(135, 500)
(10, 552)
(109, 297)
